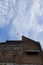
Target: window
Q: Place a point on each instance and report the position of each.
(32, 52)
(7, 48)
(16, 48)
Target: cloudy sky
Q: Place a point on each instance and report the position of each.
(21, 17)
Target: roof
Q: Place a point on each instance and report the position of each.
(19, 41)
(29, 39)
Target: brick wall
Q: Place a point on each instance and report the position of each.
(14, 52)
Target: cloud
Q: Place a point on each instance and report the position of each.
(21, 19)
(36, 11)
(23, 23)
(22, 16)
(6, 12)
(27, 21)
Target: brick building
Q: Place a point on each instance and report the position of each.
(25, 51)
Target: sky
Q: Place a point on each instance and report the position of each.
(21, 18)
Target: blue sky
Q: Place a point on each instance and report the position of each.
(21, 17)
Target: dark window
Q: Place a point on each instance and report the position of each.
(16, 48)
(7, 48)
(32, 52)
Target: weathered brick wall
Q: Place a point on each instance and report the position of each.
(31, 45)
(19, 57)
(9, 55)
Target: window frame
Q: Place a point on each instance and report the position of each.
(32, 52)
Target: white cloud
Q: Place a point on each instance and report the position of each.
(36, 11)
(6, 12)
(23, 23)
(21, 20)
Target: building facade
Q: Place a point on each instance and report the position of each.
(23, 52)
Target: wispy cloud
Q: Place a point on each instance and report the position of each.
(6, 12)
(22, 16)
(27, 21)
(23, 23)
